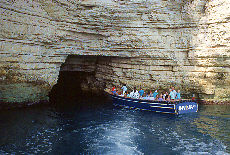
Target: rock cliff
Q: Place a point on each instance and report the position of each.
(153, 43)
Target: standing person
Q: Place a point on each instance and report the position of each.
(124, 89)
(172, 94)
(155, 94)
(174, 91)
(141, 92)
(178, 97)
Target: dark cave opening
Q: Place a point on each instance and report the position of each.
(78, 81)
(68, 87)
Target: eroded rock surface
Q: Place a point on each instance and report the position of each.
(176, 42)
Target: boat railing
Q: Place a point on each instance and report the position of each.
(154, 101)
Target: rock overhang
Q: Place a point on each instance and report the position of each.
(184, 42)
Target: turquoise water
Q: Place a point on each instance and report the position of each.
(99, 128)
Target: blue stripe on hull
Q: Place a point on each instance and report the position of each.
(156, 106)
(142, 104)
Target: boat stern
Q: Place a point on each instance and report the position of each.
(186, 107)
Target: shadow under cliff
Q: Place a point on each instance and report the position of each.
(69, 90)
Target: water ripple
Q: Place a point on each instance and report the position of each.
(110, 130)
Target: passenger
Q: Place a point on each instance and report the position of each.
(193, 97)
(114, 88)
(134, 94)
(151, 98)
(127, 94)
(124, 89)
(141, 92)
(171, 94)
(160, 98)
(150, 94)
(174, 91)
(135, 89)
(156, 98)
(114, 92)
(178, 97)
(121, 94)
(146, 96)
(155, 94)
(166, 96)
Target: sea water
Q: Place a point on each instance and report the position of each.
(95, 126)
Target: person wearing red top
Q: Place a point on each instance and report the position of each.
(193, 97)
(114, 90)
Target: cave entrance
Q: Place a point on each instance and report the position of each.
(81, 77)
(68, 87)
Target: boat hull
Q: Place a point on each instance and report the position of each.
(176, 107)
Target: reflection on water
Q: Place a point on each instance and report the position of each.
(214, 120)
(104, 129)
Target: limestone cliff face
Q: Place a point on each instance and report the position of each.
(175, 42)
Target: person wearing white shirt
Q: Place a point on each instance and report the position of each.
(124, 88)
(174, 92)
(134, 94)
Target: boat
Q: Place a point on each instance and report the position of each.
(169, 107)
